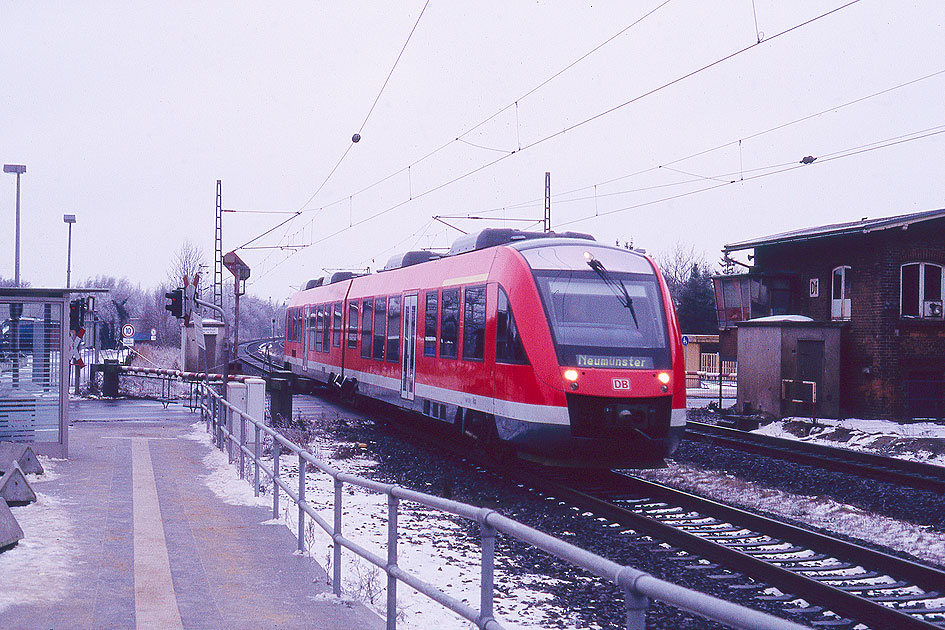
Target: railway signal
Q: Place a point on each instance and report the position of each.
(176, 303)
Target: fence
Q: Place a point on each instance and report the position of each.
(639, 587)
(709, 371)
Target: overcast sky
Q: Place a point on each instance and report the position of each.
(126, 114)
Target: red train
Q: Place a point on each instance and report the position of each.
(555, 347)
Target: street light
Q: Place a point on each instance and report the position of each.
(19, 169)
(70, 219)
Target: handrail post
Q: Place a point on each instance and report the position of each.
(213, 418)
(336, 548)
(302, 464)
(276, 447)
(221, 425)
(636, 609)
(242, 446)
(256, 463)
(487, 581)
(392, 504)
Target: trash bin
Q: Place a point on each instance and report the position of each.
(110, 378)
(280, 399)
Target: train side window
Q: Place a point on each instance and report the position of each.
(352, 325)
(326, 328)
(315, 332)
(474, 324)
(380, 317)
(393, 328)
(508, 341)
(367, 319)
(449, 324)
(289, 328)
(429, 326)
(336, 326)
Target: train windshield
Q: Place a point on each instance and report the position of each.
(612, 320)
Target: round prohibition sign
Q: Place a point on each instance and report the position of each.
(127, 330)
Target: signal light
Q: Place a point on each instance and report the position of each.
(176, 304)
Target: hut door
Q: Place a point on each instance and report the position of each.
(810, 364)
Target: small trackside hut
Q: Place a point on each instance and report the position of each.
(555, 347)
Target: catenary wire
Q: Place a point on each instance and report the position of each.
(583, 122)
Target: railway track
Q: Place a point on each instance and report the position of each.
(847, 585)
(859, 585)
(889, 469)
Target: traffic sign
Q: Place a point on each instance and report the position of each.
(127, 330)
(128, 341)
(76, 358)
(154, 334)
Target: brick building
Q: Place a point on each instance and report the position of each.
(882, 280)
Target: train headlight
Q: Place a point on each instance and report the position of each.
(571, 375)
(663, 378)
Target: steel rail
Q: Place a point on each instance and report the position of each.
(904, 472)
(840, 601)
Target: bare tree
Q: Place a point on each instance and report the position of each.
(677, 264)
(186, 262)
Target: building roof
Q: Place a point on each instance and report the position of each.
(838, 229)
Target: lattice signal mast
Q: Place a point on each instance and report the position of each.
(218, 250)
(547, 221)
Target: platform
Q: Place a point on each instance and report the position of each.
(127, 534)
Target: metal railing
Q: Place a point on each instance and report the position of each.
(638, 587)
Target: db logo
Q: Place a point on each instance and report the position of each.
(622, 383)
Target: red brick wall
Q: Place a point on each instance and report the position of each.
(879, 350)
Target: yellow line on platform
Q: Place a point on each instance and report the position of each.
(155, 601)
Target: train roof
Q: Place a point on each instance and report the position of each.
(520, 240)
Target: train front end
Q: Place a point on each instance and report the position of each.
(620, 367)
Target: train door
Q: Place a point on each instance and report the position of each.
(305, 337)
(409, 372)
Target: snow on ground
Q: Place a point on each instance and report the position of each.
(918, 441)
(41, 564)
(438, 548)
(922, 542)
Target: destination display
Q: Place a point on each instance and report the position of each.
(616, 363)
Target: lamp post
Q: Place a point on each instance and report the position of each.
(70, 219)
(19, 169)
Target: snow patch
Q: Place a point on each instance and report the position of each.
(42, 561)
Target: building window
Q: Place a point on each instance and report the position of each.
(352, 325)
(508, 341)
(921, 291)
(380, 318)
(393, 328)
(474, 324)
(429, 325)
(840, 294)
(449, 324)
(367, 319)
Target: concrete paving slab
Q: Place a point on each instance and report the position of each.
(126, 486)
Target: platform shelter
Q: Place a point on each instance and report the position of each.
(35, 352)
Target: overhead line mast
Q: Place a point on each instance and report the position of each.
(218, 250)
